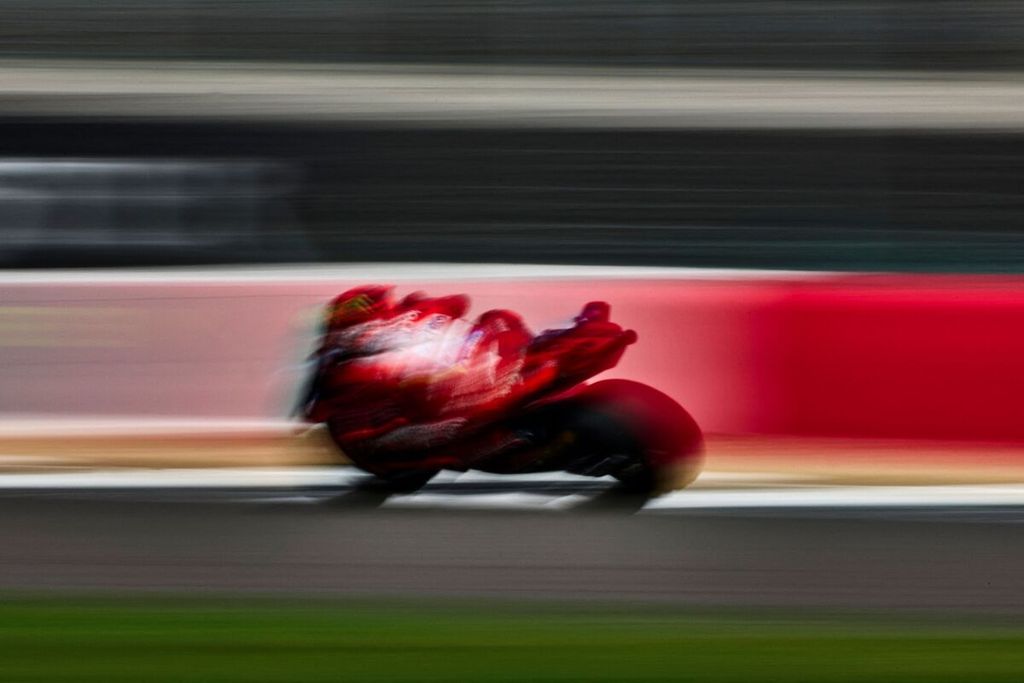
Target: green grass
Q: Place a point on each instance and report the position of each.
(138, 640)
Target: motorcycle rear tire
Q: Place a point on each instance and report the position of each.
(660, 443)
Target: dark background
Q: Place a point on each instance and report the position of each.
(338, 191)
(861, 34)
(805, 199)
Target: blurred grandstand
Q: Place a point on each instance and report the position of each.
(846, 135)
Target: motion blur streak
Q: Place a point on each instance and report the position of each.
(707, 559)
(808, 212)
(884, 34)
(759, 354)
(443, 96)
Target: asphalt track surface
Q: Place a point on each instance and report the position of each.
(339, 541)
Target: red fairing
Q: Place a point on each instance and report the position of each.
(405, 375)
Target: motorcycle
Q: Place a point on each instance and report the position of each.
(408, 387)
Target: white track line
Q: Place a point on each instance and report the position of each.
(512, 500)
(185, 478)
(391, 272)
(35, 426)
(764, 497)
(846, 497)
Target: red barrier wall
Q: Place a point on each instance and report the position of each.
(897, 356)
(904, 357)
